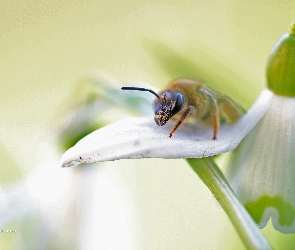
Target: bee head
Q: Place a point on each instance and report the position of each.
(169, 104)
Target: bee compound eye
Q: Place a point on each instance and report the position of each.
(167, 95)
(179, 101)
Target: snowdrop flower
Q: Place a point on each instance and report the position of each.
(142, 138)
(262, 169)
(262, 166)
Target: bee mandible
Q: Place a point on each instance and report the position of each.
(185, 98)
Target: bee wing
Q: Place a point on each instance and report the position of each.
(229, 110)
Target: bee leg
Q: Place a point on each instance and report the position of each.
(186, 114)
(215, 120)
(214, 112)
(215, 124)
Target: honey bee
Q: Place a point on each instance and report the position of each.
(185, 98)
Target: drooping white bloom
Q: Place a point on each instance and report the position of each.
(262, 169)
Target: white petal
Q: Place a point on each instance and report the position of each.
(142, 138)
(263, 167)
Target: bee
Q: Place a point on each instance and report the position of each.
(185, 98)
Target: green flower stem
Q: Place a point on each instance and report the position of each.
(213, 178)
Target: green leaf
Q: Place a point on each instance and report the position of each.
(206, 67)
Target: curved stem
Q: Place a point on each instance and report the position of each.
(213, 178)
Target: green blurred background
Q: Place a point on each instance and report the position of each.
(47, 46)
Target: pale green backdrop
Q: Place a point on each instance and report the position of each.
(47, 46)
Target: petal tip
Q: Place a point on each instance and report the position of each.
(68, 162)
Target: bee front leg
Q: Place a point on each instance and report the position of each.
(186, 114)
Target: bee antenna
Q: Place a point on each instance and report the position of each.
(141, 89)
